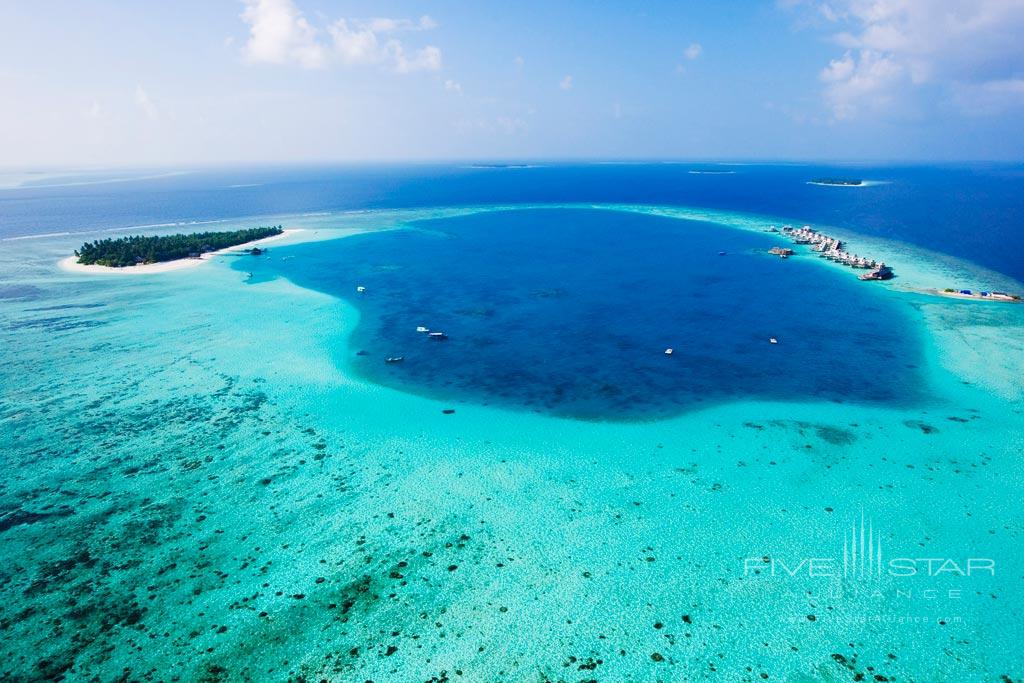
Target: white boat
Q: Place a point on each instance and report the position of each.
(360, 289)
(439, 336)
(422, 329)
(773, 340)
(668, 352)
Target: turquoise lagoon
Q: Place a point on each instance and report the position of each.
(205, 482)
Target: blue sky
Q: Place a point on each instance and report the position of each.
(120, 83)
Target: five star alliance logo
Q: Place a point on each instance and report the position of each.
(862, 560)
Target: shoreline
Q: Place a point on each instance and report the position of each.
(71, 265)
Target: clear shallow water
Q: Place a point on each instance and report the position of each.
(198, 486)
(569, 311)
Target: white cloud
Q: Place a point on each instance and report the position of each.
(692, 52)
(453, 86)
(865, 82)
(827, 12)
(355, 46)
(839, 70)
(280, 34)
(968, 52)
(565, 83)
(427, 59)
(383, 25)
(146, 104)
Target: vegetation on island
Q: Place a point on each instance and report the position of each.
(135, 250)
(838, 181)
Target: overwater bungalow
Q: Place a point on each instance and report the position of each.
(833, 249)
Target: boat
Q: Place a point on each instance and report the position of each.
(882, 272)
(394, 359)
(668, 352)
(360, 289)
(773, 340)
(438, 336)
(422, 329)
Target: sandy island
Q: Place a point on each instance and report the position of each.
(971, 295)
(71, 264)
(862, 183)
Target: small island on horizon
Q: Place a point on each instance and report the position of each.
(844, 182)
(140, 250)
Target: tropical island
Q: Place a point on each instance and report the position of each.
(846, 182)
(139, 250)
(978, 295)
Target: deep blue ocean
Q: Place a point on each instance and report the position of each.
(975, 211)
(570, 311)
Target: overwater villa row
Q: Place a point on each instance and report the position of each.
(832, 249)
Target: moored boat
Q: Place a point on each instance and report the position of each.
(882, 272)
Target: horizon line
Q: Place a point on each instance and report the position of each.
(560, 160)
